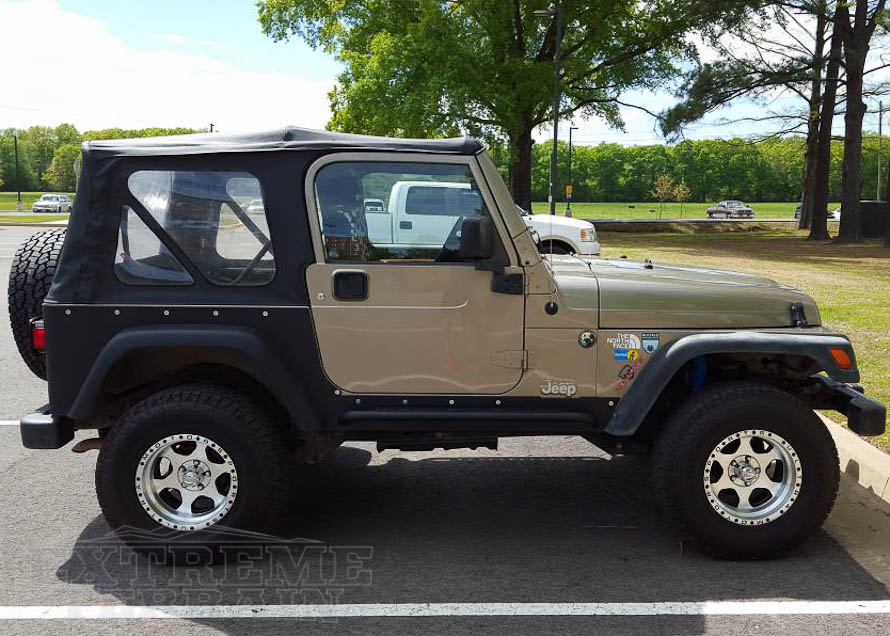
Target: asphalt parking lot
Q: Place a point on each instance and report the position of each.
(550, 521)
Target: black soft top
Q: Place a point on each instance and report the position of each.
(288, 138)
(82, 275)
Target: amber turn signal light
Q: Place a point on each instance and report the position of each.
(841, 358)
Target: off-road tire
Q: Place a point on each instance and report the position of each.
(30, 277)
(257, 447)
(698, 426)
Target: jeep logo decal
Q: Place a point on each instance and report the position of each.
(567, 389)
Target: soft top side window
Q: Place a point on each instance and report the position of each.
(218, 219)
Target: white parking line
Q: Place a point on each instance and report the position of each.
(399, 610)
(9, 422)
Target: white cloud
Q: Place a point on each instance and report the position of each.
(81, 73)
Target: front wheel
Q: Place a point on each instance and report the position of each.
(189, 465)
(747, 469)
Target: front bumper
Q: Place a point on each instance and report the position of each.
(588, 248)
(42, 430)
(865, 416)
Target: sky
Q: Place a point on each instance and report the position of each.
(134, 64)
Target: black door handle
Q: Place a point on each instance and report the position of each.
(405, 225)
(350, 285)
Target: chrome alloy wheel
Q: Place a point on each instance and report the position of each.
(186, 482)
(752, 477)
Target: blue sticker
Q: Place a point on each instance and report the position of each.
(650, 342)
(621, 354)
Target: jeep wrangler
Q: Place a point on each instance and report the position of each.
(217, 310)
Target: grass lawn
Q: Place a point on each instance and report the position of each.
(42, 218)
(600, 210)
(8, 199)
(851, 284)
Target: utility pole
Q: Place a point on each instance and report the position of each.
(18, 202)
(556, 14)
(211, 127)
(880, 145)
(570, 185)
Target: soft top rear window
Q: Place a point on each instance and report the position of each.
(218, 219)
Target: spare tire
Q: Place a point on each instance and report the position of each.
(33, 268)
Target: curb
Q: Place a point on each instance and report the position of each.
(860, 461)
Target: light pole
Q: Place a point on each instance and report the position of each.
(569, 185)
(15, 144)
(880, 146)
(556, 14)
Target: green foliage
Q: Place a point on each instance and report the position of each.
(46, 154)
(709, 169)
(122, 133)
(432, 68)
(61, 175)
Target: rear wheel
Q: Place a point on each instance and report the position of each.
(187, 466)
(30, 277)
(747, 469)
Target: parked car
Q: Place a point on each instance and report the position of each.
(58, 203)
(730, 209)
(562, 235)
(203, 369)
(255, 206)
(832, 214)
(374, 205)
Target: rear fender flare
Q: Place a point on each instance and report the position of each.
(667, 361)
(255, 359)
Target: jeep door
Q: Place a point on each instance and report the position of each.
(411, 316)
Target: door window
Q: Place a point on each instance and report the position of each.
(390, 212)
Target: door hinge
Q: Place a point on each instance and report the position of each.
(514, 359)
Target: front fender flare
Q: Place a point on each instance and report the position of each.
(667, 361)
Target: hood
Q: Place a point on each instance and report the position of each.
(538, 220)
(633, 295)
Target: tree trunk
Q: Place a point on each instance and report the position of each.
(819, 221)
(809, 173)
(521, 169)
(851, 171)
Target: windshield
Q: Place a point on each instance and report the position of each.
(49, 197)
(734, 204)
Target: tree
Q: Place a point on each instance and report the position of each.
(428, 67)
(61, 175)
(682, 194)
(122, 133)
(855, 31)
(663, 190)
(38, 144)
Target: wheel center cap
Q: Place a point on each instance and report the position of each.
(744, 470)
(194, 475)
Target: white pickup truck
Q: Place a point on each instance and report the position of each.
(425, 212)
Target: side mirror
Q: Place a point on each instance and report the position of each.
(476, 238)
